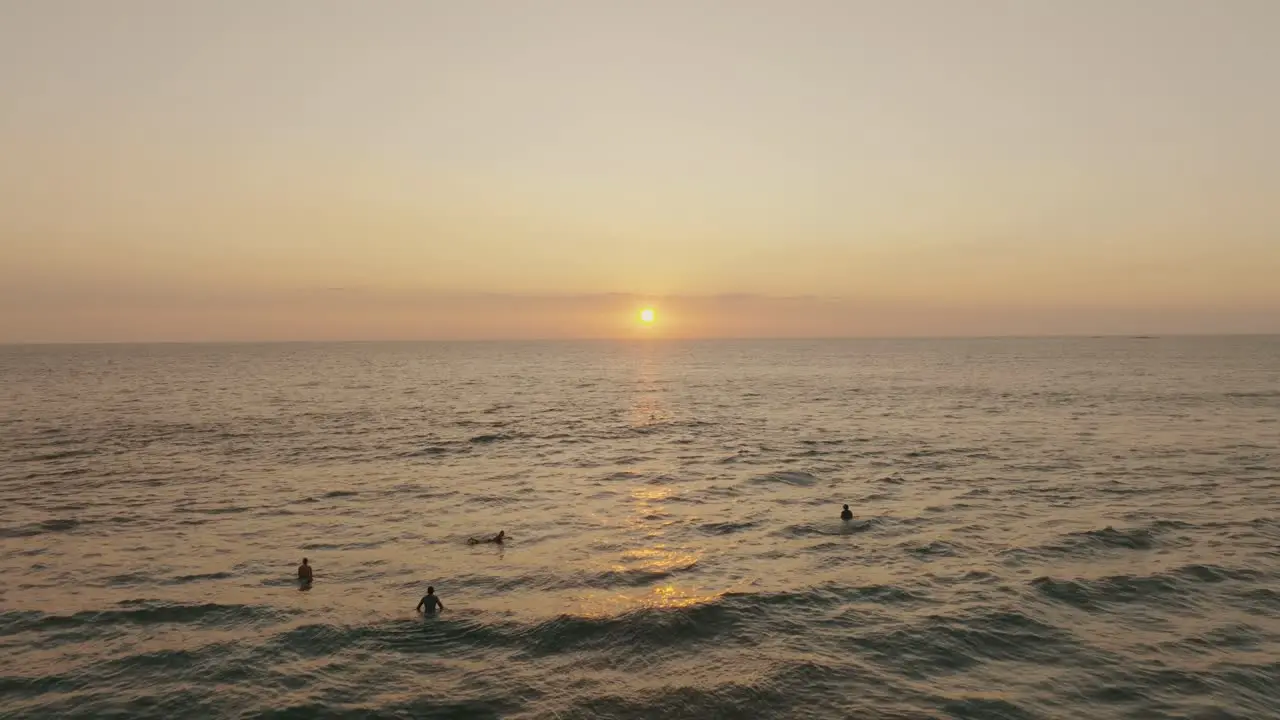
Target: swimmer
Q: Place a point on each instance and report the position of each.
(304, 571)
(499, 538)
(429, 602)
(846, 514)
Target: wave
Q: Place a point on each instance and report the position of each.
(615, 578)
(568, 437)
(1092, 594)
(129, 580)
(224, 510)
(890, 664)
(366, 545)
(736, 457)
(985, 707)
(490, 438)
(59, 455)
(649, 428)
(756, 695)
(726, 528)
(1092, 542)
(1108, 537)
(835, 527)
(645, 629)
(1262, 601)
(627, 460)
(198, 577)
(486, 708)
(435, 450)
(950, 643)
(62, 525)
(1216, 574)
(936, 452)
(40, 528)
(642, 629)
(937, 548)
(787, 477)
(144, 612)
(724, 618)
(828, 595)
(628, 578)
(1173, 588)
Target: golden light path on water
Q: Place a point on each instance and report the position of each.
(673, 513)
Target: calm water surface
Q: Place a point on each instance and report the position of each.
(1074, 528)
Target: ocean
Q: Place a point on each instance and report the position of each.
(1043, 528)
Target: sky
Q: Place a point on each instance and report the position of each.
(414, 169)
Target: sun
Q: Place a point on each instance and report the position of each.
(646, 316)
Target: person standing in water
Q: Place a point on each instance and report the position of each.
(846, 514)
(429, 602)
(304, 571)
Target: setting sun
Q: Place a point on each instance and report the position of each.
(646, 315)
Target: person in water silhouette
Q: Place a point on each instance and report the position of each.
(429, 602)
(304, 571)
(499, 538)
(846, 514)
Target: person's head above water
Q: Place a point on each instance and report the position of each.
(846, 507)
(305, 561)
(431, 590)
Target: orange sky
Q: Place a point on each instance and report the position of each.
(406, 170)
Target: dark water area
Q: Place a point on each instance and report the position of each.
(1049, 528)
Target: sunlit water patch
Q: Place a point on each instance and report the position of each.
(1042, 529)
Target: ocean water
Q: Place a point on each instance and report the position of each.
(1049, 528)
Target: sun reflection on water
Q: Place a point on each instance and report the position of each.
(649, 514)
(657, 559)
(647, 405)
(645, 494)
(662, 597)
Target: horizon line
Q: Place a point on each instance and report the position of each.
(603, 339)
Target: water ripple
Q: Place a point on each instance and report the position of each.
(1043, 529)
